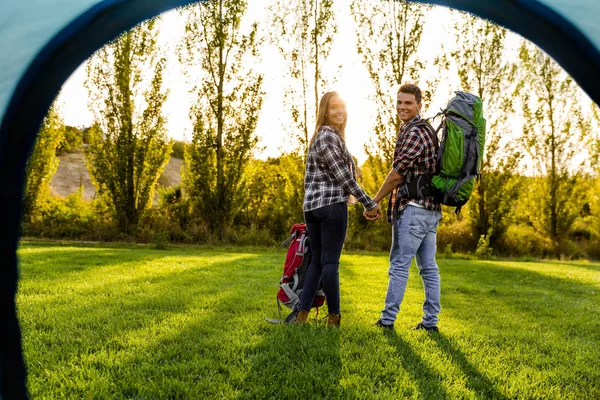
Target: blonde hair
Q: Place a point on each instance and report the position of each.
(322, 117)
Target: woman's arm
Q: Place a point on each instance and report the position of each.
(330, 150)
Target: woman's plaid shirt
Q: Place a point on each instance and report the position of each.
(330, 176)
(414, 155)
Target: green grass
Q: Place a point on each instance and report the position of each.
(134, 322)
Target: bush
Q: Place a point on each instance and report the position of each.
(367, 235)
(484, 251)
(178, 149)
(591, 248)
(524, 240)
(457, 236)
(585, 228)
(72, 218)
(570, 250)
(71, 142)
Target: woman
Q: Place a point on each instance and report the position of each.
(328, 183)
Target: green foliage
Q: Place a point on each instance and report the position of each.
(42, 163)
(274, 195)
(484, 251)
(72, 141)
(363, 234)
(525, 240)
(484, 69)
(456, 232)
(553, 126)
(128, 144)
(493, 201)
(593, 139)
(178, 149)
(303, 31)
(188, 322)
(229, 100)
(367, 235)
(388, 37)
(72, 218)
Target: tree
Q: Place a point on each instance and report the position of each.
(303, 31)
(72, 141)
(485, 70)
(42, 163)
(128, 144)
(594, 140)
(388, 37)
(229, 98)
(269, 196)
(553, 126)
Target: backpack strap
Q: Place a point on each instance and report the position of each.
(419, 187)
(294, 298)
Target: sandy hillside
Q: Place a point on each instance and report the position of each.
(72, 173)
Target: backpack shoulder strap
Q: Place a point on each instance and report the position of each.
(432, 132)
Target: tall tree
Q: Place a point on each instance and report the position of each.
(484, 69)
(128, 144)
(42, 163)
(388, 37)
(591, 209)
(303, 31)
(219, 55)
(594, 139)
(552, 129)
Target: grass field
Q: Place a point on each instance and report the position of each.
(134, 322)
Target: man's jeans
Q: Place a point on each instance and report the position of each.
(414, 235)
(326, 232)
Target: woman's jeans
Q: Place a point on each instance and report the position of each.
(326, 233)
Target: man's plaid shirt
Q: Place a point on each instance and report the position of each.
(330, 176)
(414, 155)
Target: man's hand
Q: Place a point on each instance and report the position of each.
(373, 214)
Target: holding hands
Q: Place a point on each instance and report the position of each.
(373, 214)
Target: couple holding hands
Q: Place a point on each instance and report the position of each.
(329, 181)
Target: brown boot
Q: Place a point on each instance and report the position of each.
(302, 317)
(334, 320)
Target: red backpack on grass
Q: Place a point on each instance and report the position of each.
(294, 272)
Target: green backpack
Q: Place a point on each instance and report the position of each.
(460, 151)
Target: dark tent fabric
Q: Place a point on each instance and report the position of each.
(42, 42)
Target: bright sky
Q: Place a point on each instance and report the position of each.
(353, 83)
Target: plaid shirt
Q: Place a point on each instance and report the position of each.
(330, 176)
(414, 155)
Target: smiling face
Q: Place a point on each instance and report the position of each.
(407, 106)
(336, 112)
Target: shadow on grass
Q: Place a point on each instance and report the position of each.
(526, 319)
(427, 380)
(512, 290)
(60, 263)
(179, 333)
(292, 362)
(476, 381)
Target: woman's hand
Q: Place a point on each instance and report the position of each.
(373, 214)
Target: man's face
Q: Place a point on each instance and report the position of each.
(407, 106)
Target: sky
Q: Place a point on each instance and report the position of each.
(353, 83)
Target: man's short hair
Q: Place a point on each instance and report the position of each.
(409, 88)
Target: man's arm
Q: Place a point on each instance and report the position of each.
(391, 181)
(412, 147)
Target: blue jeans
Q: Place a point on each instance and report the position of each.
(326, 232)
(414, 235)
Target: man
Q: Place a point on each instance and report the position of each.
(415, 219)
